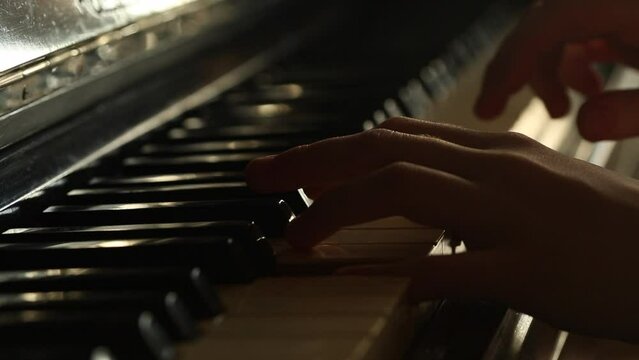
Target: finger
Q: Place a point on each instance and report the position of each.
(546, 83)
(421, 194)
(544, 28)
(576, 71)
(339, 159)
(448, 132)
(610, 116)
(481, 140)
(314, 192)
(611, 50)
(600, 50)
(471, 275)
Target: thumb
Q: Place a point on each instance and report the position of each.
(610, 116)
(471, 275)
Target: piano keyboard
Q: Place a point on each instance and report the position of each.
(120, 259)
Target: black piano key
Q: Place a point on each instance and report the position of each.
(133, 334)
(204, 162)
(203, 190)
(360, 96)
(168, 179)
(174, 192)
(330, 118)
(296, 201)
(56, 352)
(240, 230)
(314, 118)
(244, 235)
(167, 308)
(261, 145)
(191, 285)
(150, 193)
(272, 215)
(11, 216)
(142, 168)
(221, 258)
(213, 159)
(291, 91)
(236, 132)
(334, 75)
(268, 93)
(189, 163)
(257, 115)
(32, 204)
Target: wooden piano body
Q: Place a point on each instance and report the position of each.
(124, 128)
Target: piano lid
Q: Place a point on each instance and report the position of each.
(60, 56)
(32, 29)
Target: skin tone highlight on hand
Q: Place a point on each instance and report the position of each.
(554, 48)
(545, 231)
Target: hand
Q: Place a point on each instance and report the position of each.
(554, 47)
(549, 235)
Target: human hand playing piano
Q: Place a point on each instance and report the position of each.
(549, 235)
(553, 49)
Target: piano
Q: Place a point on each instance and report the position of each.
(127, 230)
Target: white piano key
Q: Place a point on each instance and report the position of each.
(294, 318)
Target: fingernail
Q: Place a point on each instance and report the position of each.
(259, 173)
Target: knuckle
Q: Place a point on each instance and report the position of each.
(395, 122)
(300, 151)
(392, 175)
(399, 167)
(375, 136)
(502, 141)
(510, 161)
(515, 140)
(393, 181)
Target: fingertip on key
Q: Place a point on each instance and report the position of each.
(299, 236)
(300, 246)
(294, 237)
